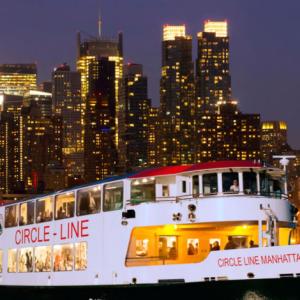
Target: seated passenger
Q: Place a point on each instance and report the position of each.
(235, 186)
(173, 251)
(215, 246)
(230, 244)
(191, 249)
(252, 245)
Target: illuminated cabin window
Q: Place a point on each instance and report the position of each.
(88, 201)
(11, 216)
(186, 243)
(26, 213)
(192, 246)
(230, 182)
(63, 257)
(113, 196)
(42, 259)
(12, 261)
(64, 206)
(25, 260)
(80, 256)
(210, 184)
(44, 210)
(143, 189)
(196, 188)
(1, 260)
(250, 183)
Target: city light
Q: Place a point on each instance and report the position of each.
(170, 32)
(220, 28)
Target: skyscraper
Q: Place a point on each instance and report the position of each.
(137, 107)
(66, 90)
(273, 139)
(100, 63)
(176, 97)
(16, 79)
(213, 81)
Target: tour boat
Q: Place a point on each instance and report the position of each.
(223, 228)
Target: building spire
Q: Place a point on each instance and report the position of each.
(100, 21)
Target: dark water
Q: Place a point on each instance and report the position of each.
(275, 289)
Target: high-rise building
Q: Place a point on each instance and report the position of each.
(176, 97)
(7, 147)
(103, 104)
(100, 151)
(16, 79)
(40, 145)
(137, 107)
(67, 103)
(213, 81)
(153, 128)
(43, 100)
(273, 139)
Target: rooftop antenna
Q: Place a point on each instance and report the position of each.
(284, 161)
(100, 22)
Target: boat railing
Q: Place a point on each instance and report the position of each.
(276, 195)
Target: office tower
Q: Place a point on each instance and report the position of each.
(8, 180)
(137, 107)
(100, 152)
(11, 108)
(176, 97)
(213, 81)
(273, 139)
(45, 86)
(16, 79)
(153, 128)
(41, 145)
(67, 103)
(43, 100)
(103, 104)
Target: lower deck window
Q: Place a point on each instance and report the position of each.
(63, 257)
(80, 256)
(25, 261)
(12, 261)
(42, 259)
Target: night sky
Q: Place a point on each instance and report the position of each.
(264, 41)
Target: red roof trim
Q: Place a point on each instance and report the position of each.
(171, 170)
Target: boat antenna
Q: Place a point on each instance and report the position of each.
(100, 22)
(284, 161)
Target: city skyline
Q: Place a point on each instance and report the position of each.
(259, 62)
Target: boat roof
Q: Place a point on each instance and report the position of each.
(172, 170)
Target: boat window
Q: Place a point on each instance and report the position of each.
(184, 186)
(143, 190)
(80, 256)
(42, 257)
(250, 184)
(168, 247)
(64, 206)
(26, 213)
(12, 261)
(113, 196)
(230, 182)
(25, 260)
(210, 183)
(63, 257)
(88, 201)
(196, 189)
(165, 191)
(1, 260)
(44, 210)
(11, 216)
(269, 186)
(142, 247)
(192, 246)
